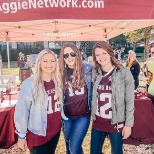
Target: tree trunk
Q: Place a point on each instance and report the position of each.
(147, 35)
(134, 46)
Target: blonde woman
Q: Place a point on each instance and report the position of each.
(134, 66)
(37, 113)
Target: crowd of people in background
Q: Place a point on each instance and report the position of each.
(62, 87)
(119, 54)
(24, 61)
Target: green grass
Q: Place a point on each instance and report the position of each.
(14, 70)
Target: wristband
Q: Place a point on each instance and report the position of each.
(22, 138)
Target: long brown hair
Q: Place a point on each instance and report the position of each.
(107, 47)
(77, 80)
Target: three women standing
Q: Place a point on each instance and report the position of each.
(76, 98)
(37, 114)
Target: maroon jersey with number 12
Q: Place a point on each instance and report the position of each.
(104, 110)
(53, 119)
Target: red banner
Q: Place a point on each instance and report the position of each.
(23, 10)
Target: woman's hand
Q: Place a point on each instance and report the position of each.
(22, 144)
(126, 132)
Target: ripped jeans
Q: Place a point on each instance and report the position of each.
(75, 130)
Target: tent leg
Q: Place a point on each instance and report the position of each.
(8, 57)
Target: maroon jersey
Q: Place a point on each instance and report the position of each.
(104, 110)
(53, 119)
(76, 100)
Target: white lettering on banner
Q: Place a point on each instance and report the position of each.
(45, 3)
(104, 107)
(16, 5)
(62, 3)
(40, 4)
(68, 3)
(71, 34)
(74, 3)
(50, 107)
(77, 92)
(53, 3)
(32, 4)
(13, 7)
(24, 5)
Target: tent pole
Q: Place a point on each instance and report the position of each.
(8, 57)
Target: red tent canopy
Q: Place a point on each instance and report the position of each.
(79, 20)
(23, 10)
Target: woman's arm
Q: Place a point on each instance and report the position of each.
(129, 98)
(22, 111)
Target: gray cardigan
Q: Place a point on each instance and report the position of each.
(122, 84)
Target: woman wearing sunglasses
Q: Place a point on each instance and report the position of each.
(113, 100)
(77, 97)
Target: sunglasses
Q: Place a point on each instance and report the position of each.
(66, 55)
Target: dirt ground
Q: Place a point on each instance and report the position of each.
(127, 149)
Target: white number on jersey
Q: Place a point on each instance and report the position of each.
(77, 92)
(57, 104)
(105, 107)
(56, 107)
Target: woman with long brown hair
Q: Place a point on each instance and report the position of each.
(76, 104)
(113, 100)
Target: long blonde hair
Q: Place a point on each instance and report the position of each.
(38, 80)
(77, 80)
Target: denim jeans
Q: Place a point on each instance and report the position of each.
(75, 130)
(48, 147)
(97, 140)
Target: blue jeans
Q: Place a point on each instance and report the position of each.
(97, 140)
(75, 130)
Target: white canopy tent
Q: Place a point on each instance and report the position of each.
(67, 30)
